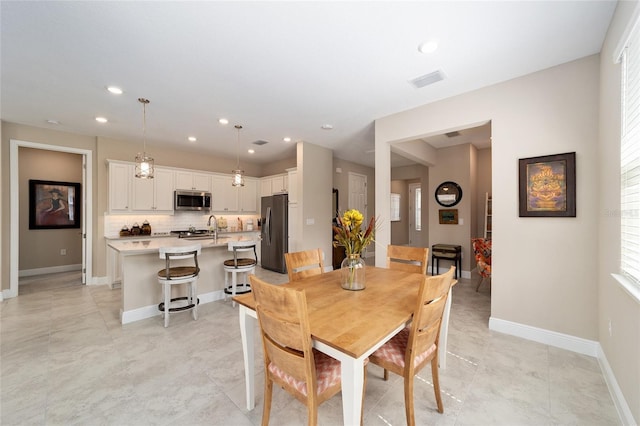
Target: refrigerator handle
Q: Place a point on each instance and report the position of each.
(268, 226)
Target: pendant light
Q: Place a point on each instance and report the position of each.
(144, 163)
(238, 174)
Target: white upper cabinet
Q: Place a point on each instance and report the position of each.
(193, 181)
(248, 196)
(119, 187)
(276, 184)
(154, 195)
(224, 196)
(293, 186)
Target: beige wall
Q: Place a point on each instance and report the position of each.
(315, 198)
(42, 136)
(40, 248)
(413, 174)
(622, 347)
(548, 112)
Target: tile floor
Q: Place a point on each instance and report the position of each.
(66, 360)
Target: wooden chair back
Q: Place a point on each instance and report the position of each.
(289, 358)
(410, 259)
(303, 264)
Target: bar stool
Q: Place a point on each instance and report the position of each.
(174, 274)
(239, 265)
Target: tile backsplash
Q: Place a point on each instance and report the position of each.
(165, 223)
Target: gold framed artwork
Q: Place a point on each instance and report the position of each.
(448, 216)
(548, 186)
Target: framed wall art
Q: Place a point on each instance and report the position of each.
(548, 186)
(448, 216)
(53, 205)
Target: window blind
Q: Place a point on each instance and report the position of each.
(630, 159)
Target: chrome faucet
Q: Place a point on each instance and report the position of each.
(215, 225)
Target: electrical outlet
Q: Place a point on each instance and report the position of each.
(63, 252)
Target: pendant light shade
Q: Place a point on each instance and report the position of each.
(144, 163)
(238, 173)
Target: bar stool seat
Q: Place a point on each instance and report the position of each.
(239, 265)
(182, 273)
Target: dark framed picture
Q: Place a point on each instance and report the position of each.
(548, 186)
(53, 204)
(448, 216)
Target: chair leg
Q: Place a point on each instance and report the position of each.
(234, 283)
(226, 284)
(167, 303)
(436, 383)
(194, 299)
(268, 394)
(479, 282)
(386, 374)
(408, 400)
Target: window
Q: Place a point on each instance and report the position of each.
(630, 159)
(395, 207)
(418, 209)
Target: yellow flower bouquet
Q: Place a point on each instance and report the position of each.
(349, 234)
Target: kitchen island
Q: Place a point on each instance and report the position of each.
(137, 262)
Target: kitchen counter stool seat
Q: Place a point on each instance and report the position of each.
(176, 273)
(239, 265)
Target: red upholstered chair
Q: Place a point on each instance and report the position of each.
(482, 251)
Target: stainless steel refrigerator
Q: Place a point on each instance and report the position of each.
(275, 232)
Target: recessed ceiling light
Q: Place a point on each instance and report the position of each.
(287, 139)
(223, 121)
(101, 120)
(53, 121)
(251, 151)
(327, 127)
(428, 46)
(192, 138)
(115, 90)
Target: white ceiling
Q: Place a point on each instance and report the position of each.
(278, 68)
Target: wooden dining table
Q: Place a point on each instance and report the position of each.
(347, 325)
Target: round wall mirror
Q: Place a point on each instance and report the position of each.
(448, 194)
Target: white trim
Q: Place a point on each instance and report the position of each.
(14, 234)
(626, 417)
(547, 337)
(151, 311)
(624, 38)
(632, 289)
(49, 270)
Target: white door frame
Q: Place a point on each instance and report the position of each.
(87, 212)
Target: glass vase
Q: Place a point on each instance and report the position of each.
(352, 272)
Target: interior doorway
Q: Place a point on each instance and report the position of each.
(86, 210)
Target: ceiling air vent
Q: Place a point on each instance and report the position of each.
(427, 79)
(452, 134)
(260, 142)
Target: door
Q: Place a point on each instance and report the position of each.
(415, 215)
(358, 193)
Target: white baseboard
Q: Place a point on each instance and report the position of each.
(49, 270)
(574, 344)
(540, 335)
(616, 393)
(152, 310)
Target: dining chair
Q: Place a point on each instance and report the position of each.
(290, 361)
(482, 252)
(303, 264)
(410, 259)
(414, 347)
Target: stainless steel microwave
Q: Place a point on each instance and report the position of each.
(192, 200)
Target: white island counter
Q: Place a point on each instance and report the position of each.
(138, 263)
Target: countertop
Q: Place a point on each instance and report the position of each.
(151, 244)
(224, 234)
